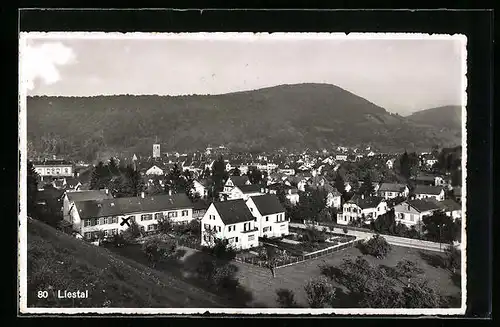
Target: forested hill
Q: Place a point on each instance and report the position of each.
(292, 116)
(440, 117)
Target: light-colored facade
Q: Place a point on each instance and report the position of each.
(424, 195)
(409, 215)
(240, 235)
(154, 170)
(352, 211)
(55, 169)
(269, 225)
(391, 191)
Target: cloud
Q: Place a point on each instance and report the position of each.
(43, 61)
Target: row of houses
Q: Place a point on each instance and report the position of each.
(409, 212)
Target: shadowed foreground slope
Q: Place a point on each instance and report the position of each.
(57, 261)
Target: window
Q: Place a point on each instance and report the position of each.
(236, 239)
(159, 216)
(251, 237)
(114, 220)
(114, 231)
(109, 220)
(267, 218)
(206, 226)
(151, 227)
(172, 214)
(102, 221)
(219, 229)
(93, 222)
(87, 235)
(142, 228)
(131, 218)
(86, 222)
(412, 218)
(147, 216)
(266, 229)
(184, 213)
(251, 209)
(270, 228)
(106, 233)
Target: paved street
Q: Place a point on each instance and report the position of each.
(394, 240)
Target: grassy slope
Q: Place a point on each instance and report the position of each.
(58, 260)
(293, 116)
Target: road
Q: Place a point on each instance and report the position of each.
(394, 240)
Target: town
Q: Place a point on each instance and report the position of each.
(266, 212)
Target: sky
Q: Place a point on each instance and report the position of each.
(402, 76)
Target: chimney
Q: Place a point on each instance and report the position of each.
(170, 192)
(142, 195)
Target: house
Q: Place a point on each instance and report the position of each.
(393, 190)
(291, 193)
(341, 157)
(72, 184)
(430, 180)
(231, 221)
(201, 187)
(269, 215)
(359, 207)
(242, 192)
(154, 170)
(53, 168)
(451, 208)
(233, 181)
(69, 199)
(199, 208)
(426, 192)
(334, 198)
(110, 215)
(390, 163)
(411, 212)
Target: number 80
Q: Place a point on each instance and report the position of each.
(43, 294)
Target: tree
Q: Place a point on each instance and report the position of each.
(132, 232)
(272, 257)
(439, 227)
(254, 175)
(236, 171)
(366, 187)
(285, 298)
(404, 166)
(453, 258)
(206, 173)
(174, 180)
(118, 240)
(407, 269)
(32, 189)
(155, 188)
(165, 226)
(320, 292)
(157, 250)
(385, 223)
(420, 295)
(100, 177)
(313, 235)
(377, 246)
(281, 194)
(340, 183)
(113, 167)
(219, 176)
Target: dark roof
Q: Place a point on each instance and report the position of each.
(49, 194)
(200, 204)
(424, 205)
(249, 188)
(88, 195)
(391, 187)
(369, 202)
(425, 178)
(427, 189)
(233, 211)
(267, 204)
(52, 163)
(239, 180)
(72, 182)
(449, 205)
(120, 206)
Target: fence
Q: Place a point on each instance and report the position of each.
(297, 259)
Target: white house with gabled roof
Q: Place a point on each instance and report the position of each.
(231, 221)
(269, 214)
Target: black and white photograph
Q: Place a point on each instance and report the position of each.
(242, 173)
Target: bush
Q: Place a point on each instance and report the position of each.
(345, 230)
(313, 235)
(377, 246)
(320, 292)
(285, 298)
(157, 250)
